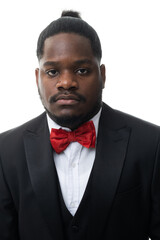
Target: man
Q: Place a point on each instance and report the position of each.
(97, 176)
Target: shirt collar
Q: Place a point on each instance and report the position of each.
(95, 119)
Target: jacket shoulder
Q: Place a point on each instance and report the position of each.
(15, 133)
(116, 119)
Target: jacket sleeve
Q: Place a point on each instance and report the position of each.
(8, 213)
(154, 232)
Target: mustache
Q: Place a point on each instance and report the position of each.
(77, 96)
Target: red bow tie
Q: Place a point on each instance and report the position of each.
(85, 135)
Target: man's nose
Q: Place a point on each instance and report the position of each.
(67, 81)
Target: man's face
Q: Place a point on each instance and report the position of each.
(70, 79)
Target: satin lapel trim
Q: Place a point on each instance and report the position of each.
(44, 178)
(110, 156)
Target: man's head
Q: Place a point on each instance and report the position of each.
(70, 78)
(70, 22)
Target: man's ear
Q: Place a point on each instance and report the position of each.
(37, 75)
(103, 74)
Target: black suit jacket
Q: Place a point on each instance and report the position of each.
(125, 192)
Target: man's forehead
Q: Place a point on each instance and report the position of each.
(83, 61)
(65, 41)
(61, 47)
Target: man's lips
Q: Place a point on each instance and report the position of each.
(67, 100)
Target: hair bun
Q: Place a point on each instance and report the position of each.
(70, 13)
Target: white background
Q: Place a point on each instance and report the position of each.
(130, 35)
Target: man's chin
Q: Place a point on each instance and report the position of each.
(70, 121)
(74, 119)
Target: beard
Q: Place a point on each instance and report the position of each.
(74, 121)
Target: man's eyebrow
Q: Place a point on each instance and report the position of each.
(83, 61)
(50, 63)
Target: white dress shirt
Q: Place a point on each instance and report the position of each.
(73, 167)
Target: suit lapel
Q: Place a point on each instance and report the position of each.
(106, 172)
(43, 176)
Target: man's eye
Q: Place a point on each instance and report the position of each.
(51, 73)
(82, 71)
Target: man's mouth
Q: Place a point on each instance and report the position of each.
(67, 100)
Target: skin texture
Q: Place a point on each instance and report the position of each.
(70, 79)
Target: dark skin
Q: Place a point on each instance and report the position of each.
(70, 79)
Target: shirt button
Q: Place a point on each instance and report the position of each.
(75, 228)
(73, 204)
(73, 165)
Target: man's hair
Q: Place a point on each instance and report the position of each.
(70, 22)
